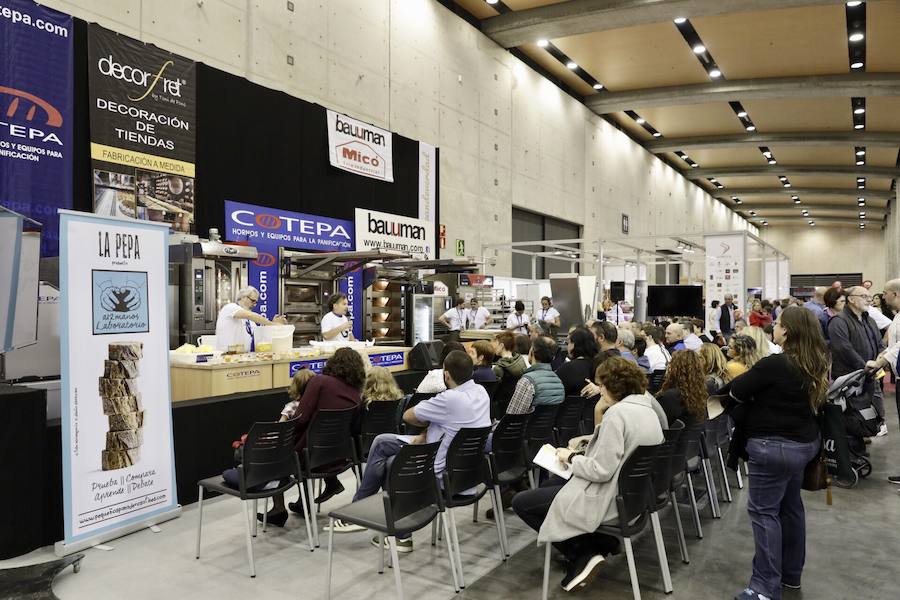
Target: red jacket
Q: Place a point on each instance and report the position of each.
(760, 319)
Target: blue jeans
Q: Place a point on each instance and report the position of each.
(381, 454)
(776, 511)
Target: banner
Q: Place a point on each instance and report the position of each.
(360, 148)
(117, 445)
(143, 129)
(726, 267)
(36, 114)
(392, 232)
(268, 229)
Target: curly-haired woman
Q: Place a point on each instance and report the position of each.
(742, 355)
(683, 394)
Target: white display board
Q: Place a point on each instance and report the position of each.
(117, 444)
(359, 147)
(726, 266)
(784, 278)
(770, 279)
(376, 230)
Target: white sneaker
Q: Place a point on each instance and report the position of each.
(403, 545)
(883, 431)
(341, 527)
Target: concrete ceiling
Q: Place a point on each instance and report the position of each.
(786, 63)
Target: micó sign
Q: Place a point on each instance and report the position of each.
(360, 148)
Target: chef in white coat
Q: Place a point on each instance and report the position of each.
(478, 316)
(518, 322)
(455, 320)
(236, 323)
(547, 317)
(336, 326)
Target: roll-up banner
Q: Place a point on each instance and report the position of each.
(117, 443)
(36, 114)
(359, 147)
(143, 129)
(726, 267)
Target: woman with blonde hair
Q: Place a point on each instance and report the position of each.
(715, 367)
(683, 394)
(380, 385)
(741, 354)
(762, 342)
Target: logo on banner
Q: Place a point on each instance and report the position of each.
(359, 147)
(264, 259)
(120, 302)
(108, 66)
(300, 228)
(378, 230)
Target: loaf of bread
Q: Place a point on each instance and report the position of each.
(120, 405)
(126, 351)
(125, 421)
(120, 369)
(119, 459)
(124, 440)
(110, 388)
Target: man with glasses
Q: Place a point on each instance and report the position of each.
(237, 321)
(891, 356)
(855, 341)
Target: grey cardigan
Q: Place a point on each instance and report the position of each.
(589, 497)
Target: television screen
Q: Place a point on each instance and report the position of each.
(675, 301)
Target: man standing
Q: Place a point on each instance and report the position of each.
(727, 317)
(817, 305)
(675, 338)
(891, 356)
(236, 323)
(855, 341)
(478, 316)
(455, 320)
(539, 384)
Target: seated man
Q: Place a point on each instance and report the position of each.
(539, 384)
(463, 404)
(674, 338)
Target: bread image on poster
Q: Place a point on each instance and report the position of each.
(120, 397)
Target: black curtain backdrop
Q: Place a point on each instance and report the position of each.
(263, 147)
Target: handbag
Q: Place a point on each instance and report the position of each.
(815, 475)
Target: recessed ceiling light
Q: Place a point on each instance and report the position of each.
(657, 134)
(854, 3)
(751, 127)
(699, 49)
(860, 163)
(738, 201)
(680, 20)
(782, 177)
(857, 65)
(765, 222)
(715, 73)
(859, 126)
(796, 200)
(859, 111)
(695, 165)
(861, 186)
(742, 114)
(572, 65)
(752, 213)
(772, 161)
(857, 37)
(860, 153)
(640, 121)
(543, 43)
(787, 185)
(598, 86)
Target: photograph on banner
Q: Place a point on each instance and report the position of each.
(143, 129)
(36, 77)
(118, 454)
(378, 230)
(359, 147)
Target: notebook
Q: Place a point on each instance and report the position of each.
(546, 459)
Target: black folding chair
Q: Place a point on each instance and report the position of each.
(410, 502)
(717, 435)
(268, 455)
(329, 451)
(502, 396)
(662, 490)
(380, 416)
(411, 403)
(688, 461)
(508, 462)
(490, 387)
(588, 423)
(655, 380)
(568, 420)
(540, 431)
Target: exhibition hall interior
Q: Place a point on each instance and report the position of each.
(440, 299)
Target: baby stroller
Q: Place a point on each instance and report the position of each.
(853, 393)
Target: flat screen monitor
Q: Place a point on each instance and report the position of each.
(675, 301)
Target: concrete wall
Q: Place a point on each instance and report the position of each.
(507, 135)
(892, 242)
(832, 250)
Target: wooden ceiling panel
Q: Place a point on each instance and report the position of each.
(777, 43)
(557, 69)
(883, 113)
(787, 115)
(813, 155)
(728, 157)
(825, 181)
(526, 4)
(750, 181)
(632, 128)
(693, 119)
(882, 44)
(881, 157)
(635, 58)
(478, 8)
(880, 184)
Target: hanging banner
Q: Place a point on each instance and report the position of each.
(726, 267)
(117, 444)
(360, 148)
(376, 230)
(36, 114)
(268, 229)
(143, 129)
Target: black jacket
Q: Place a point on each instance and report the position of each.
(853, 342)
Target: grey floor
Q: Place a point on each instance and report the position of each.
(853, 551)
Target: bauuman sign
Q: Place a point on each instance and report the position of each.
(376, 230)
(360, 148)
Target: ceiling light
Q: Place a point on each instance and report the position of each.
(715, 73)
(572, 65)
(738, 201)
(856, 37)
(859, 126)
(860, 153)
(772, 161)
(640, 120)
(860, 180)
(695, 165)
(860, 163)
(712, 179)
(787, 185)
(765, 222)
(767, 154)
(598, 86)
(796, 199)
(861, 186)
(543, 43)
(862, 214)
(782, 177)
(742, 114)
(752, 213)
(493, 1)
(680, 20)
(857, 65)
(859, 111)
(751, 127)
(854, 3)
(657, 134)
(812, 223)
(699, 49)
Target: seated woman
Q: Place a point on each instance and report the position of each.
(714, 365)
(579, 369)
(683, 393)
(482, 353)
(523, 347)
(380, 385)
(509, 362)
(433, 383)
(741, 355)
(763, 349)
(338, 387)
(568, 513)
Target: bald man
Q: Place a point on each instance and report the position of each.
(675, 337)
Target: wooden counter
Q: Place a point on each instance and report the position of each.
(471, 335)
(209, 380)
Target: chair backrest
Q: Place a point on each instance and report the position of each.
(329, 439)
(502, 396)
(268, 454)
(716, 432)
(413, 400)
(540, 426)
(662, 466)
(688, 447)
(490, 387)
(588, 424)
(568, 419)
(635, 490)
(380, 416)
(411, 484)
(508, 444)
(465, 460)
(655, 380)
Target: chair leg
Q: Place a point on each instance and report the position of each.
(454, 568)
(531, 479)
(725, 483)
(265, 513)
(740, 478)
(454, 531)
(199, 517)
(254, 505)
(632, 570)
(330, 551)
(434, 529)
(381, 553)
(546, 584)
(711, 488)
(501, 518)
(695, 512)
(395, 561)
(475, 512)
(306, 516)
(497, 518)
(247, 507)
(746, 469)
(318, 483)
(661, 553)
(312, 512)
(682, 543)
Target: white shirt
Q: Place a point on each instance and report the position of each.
(519, 322)
(713, 316)
(658, 356)
(893, 343)
(477, 319)
(881, 321)
(333, 321)
(549, 315)
(692, 342)
(774, 348)
(432, 383)
(231, 331)
(457, 318)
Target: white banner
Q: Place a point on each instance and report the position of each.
(726, 267)
(427, 181)
(376, 229)
(10, 243)
(118, 455)
(360, 148)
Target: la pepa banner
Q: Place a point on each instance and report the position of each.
(117, 442)
(359, 147)
(36, 114)
(143, 129)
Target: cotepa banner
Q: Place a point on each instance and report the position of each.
(360, 148)
(118, 453)
(36, 114)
